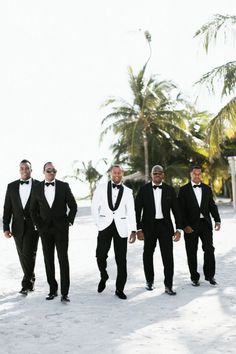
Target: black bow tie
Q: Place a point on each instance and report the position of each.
(24, 182)
(197, 185)
(49, 184)
(155, 187)
(118, 186)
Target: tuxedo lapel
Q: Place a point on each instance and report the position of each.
(17, 194)
(151, 198)
(192, 194)
(163, 197)
(109, 196)
(120, 194)
(204, 193)
(43, 195)
(57, 192)
(27, 205)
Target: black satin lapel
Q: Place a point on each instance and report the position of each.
(43, 194)
(151, 196)
(27, 205)
(109, 196)
(120, 194)
(203, 195)
(17, 193)
(163, 197)
(193, 194)
(57, 190)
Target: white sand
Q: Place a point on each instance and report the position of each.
(197, 320)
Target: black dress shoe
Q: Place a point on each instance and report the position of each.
(51, 296)
(195, 283)
(212, 281)
(24, 291)
(149, 286)
(65, 298)
(169, 291)
(102, 285)
(120, 294)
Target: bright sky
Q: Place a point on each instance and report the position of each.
(61, 59)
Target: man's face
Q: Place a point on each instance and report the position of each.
(50, 172)
(25, 171)
(116, 175)
(157, 176)
(196, 175)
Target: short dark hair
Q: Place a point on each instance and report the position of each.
(25, 161)
(197, 167)
(116, 166)
(44, 166)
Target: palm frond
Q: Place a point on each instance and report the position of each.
(226, 74)
(222, 126)
(210, 31)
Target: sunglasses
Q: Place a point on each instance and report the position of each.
(51, 170)
(157, 173)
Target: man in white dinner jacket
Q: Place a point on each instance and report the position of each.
(114, 214)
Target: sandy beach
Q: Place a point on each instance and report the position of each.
(196, 320)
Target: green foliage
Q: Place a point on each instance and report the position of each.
(223, 125)
(220, 24)
(86, 173)
(225, 73)
(155, 127)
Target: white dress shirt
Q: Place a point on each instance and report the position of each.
(24, 190)
(157, 198)
(114, 193)
(198, 194)
(49, 192)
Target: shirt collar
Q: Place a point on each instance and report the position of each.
(153, 184)
(26, 180)
(195, 184)
(112, 182)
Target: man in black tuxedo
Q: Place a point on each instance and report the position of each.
(17, 223)
(48, 209)
(197, 204)
(153, 204)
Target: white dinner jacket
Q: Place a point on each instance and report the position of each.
(124, 215)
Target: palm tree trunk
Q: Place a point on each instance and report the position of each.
(146, 158)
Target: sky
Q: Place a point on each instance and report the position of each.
(61, 59)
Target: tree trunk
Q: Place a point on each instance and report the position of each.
(146, 162)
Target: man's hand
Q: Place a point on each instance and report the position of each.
(7, 234)
(176, 236)
(188, 230)
(217, 226)
(140, 235)
(132, 237)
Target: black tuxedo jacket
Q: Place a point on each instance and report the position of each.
(145, 208)
(13, 210)
(44, 217)
(190, 209)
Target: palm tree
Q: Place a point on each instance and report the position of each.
(152, 117)
(223, 125)
(86, 173)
